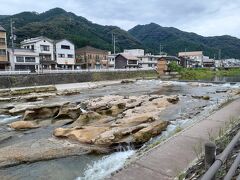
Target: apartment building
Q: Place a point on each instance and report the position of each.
(24, 59)
(45, 48)
(4, 63)
(65, 54)
(91, 58)
(195, 56)
(148, 60)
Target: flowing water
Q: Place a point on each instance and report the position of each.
(94, 167)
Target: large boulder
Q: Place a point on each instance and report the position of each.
(115, 120)
(69, 111)
(86, 134)
(87, 118)
(23, 125)
(117, 135)
(40, 113)
(150, 131)
(135, 120)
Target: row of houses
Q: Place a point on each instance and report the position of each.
(42, 53)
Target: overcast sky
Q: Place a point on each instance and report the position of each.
(205, 17)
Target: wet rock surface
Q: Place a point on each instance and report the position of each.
(104, 124)
(114, 120)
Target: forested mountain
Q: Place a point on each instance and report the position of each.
(173, 40)
(58, 24)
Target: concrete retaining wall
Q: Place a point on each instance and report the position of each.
(10, 81)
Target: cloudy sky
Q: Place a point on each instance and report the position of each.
(205, 17)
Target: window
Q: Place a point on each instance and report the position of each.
(2, 52)
(2, 41)
(32, 47)
(30, 59)
(65, 47)
(61, 55)
(44, 48)
(70, 56)
(19, 59)
(149, 65)
(132, 61)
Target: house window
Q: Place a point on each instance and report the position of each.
(19, 59)
(45, 48)
(2, 52)
(32, 47)
(65, 47)
(149, 65)
(132, 61)
(70, 56)
(2, 41)
(61, 55)
(30, 59)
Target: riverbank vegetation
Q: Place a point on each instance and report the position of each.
(225, 136)
(202, 73)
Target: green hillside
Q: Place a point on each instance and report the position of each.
(58, 24)
(174, 40)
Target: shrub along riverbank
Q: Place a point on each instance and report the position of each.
(194, 74)
(202, 73)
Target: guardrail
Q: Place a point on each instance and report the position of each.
(14, 72)
(72, 71)
(213, 163)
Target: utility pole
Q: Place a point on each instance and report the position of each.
(161, 48)
(219, 54)
(114, 43)
(12, 37)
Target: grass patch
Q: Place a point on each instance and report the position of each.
(206, 74)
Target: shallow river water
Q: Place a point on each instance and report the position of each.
(94, 167)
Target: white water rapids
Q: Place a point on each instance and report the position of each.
(105, 166)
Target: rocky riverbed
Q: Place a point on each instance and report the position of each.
(98, 120)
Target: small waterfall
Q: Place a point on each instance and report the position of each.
(105, 166)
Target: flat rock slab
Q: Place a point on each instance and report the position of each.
(169, 159)
(38, 150)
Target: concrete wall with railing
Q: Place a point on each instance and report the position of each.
(26, 80)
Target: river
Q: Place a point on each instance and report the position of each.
(94, 167)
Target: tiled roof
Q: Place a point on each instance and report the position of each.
(91, 49)
(2, 29)
(129, 56)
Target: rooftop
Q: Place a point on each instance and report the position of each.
(36, 39)
(2, 29)
(191, 53)
(128, 56)
(91, 49)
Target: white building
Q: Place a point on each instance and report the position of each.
(44, 47)
(65, 54)
(111, 60)
(195, 56)
(24, 59)
(134, 52)
(148, 61)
